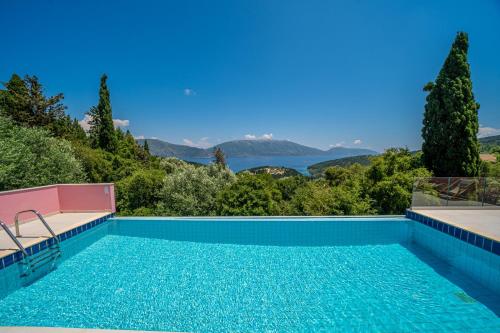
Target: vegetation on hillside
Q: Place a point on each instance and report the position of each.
(274, 171)
(490, 144)
(318, 169)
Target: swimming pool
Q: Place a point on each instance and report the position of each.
(254, 275)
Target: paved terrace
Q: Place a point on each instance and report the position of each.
(485, 222)
(34, 232)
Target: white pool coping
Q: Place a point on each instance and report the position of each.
(484, 222)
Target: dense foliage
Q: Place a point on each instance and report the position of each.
(31, 157)
(192, 190)
(42, 145)
(450, 146)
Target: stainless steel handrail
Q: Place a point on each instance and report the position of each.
(14, 238)
(40, 217)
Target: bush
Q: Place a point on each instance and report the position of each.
(250, 195)
(390, 179)
(139, 193)
(318, 198)
(30, 157)
(192, 191)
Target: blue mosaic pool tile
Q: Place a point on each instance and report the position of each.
(8, 260)
(18, 256)
(451, 230)
(479, 241)
(472, 238)
(464, 235)
(496, 248)
(487, 244)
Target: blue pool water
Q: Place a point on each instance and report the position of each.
(356, 275)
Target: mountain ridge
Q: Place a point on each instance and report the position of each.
(250, 148)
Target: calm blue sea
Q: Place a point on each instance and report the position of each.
(299, 163)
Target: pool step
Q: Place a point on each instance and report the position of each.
(43, 258)
(32, 262)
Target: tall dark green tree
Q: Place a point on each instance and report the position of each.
(146, 147)
(450, 126)
(220, 159)
(24, 102)
(102, 131)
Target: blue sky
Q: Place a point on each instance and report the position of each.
(320, 73)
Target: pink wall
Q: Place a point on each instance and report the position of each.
(88, 197)
(57, 198)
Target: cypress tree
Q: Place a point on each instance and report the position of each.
(220, 159)
(102, 132)
(107, 137)
(450, 146)
(146, 147)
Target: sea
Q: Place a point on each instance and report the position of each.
(299, 163)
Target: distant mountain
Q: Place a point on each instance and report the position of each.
(341, 152)
(495, 139)
(318, 169)
(243, 148)
(166, 149)
(489, 142)
(250, 148)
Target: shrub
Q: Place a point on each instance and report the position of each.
(30, 157)
(192, 191)
(250, 195)
(139, 193)
(318, 198)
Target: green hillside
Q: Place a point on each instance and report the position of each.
(275, 172)
(316, 170)
(489, 143)
(166, 149)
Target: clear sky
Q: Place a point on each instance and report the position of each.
(320, 73)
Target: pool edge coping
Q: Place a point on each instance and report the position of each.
(473, 238)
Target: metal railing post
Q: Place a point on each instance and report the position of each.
(14, 238)
(484, 191)
(448, 192)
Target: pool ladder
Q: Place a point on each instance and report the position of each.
(33, 262)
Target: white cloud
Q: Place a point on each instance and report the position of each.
(85, 122)
(262, 137)
(357, 142)
(338, 144)
(139, 137)
(154, 138)
(487, 131)
(201, 143)
(121, 122)
(189, 92)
